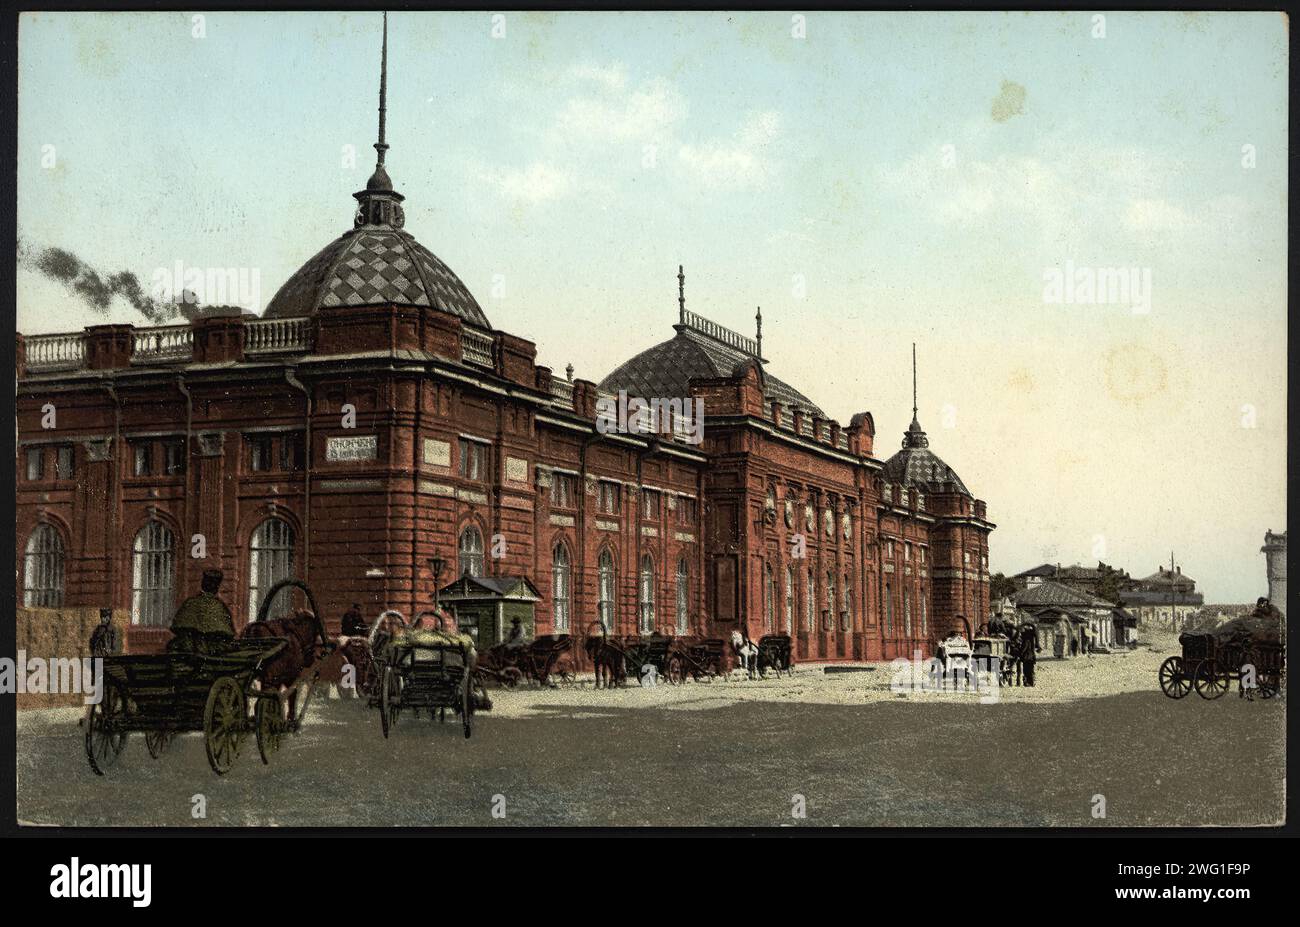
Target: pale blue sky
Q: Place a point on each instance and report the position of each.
(529, 157)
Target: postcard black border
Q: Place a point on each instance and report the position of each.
(9, 826)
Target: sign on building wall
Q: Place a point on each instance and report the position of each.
(437, 453)
(358, 447)
(516, 470)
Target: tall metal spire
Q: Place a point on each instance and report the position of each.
(381, 146)
(758, 330)
(913, 381)
(378, 203)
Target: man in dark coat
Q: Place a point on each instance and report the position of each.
(354, 623)
(103, 640)
(1027, 651)
(203, 622)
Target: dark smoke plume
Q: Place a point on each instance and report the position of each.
(98, 291)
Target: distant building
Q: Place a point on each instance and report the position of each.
(1070, 621)
(1274, 550)
(1165, 597)
(1096, 581)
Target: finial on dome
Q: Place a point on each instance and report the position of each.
(378, 203)
(915, 435)
(758, 330)
(681, 295)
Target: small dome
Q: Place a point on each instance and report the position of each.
(666, 370)
(917, 465)
(375, 265)
(379, 181)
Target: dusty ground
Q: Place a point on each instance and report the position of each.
(730, 753)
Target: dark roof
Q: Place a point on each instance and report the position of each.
(917, 465)
(1050, 593)
(666, 370)
(1164, 577)
(1160, 597)
(1043, 569)
(468, 587)
(375, 265)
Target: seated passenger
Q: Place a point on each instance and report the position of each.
(203, 622)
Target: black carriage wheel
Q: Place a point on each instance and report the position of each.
(1174, 682)
(225, 719)
(390, 695)
(467, 701)
(103, 746)
(269, 722)
(156, 742)
(1210, 683)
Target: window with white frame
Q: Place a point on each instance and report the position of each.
(683, 595)
(605, 604)
(270, 560)
(470, 552)
(646, 598)
(561, 594)
(43, 568)
(153, 576)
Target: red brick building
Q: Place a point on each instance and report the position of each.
(372, 419)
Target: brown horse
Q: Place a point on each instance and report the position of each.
(608, 659)
(286, 669)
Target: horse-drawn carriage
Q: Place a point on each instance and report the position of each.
(1248, 652)
(424, 668)
(165, 694)
(775, 654)
(538, 661)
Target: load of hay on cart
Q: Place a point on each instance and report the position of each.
(423, 668)
(1247, 650)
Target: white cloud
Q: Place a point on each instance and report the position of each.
(533, 184)
(613, 77)
(615, 113)
(742, 161)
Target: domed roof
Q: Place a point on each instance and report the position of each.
(917, 465)
(666, 370)
(375, 265)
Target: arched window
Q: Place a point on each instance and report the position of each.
(607, 587)
(647, 595)
(471, 552)
(43, 569)
(561, 597)
(683, 595)
(923, 616)
(270, 560)
(769, 598)
(789, 600)
(810, 601)
(153, 576)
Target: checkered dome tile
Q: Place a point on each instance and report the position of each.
(374, 270)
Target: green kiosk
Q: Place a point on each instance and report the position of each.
(485, 606)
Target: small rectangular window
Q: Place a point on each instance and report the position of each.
(473, 460)
(291, 452)
(685, 511)
(173, 457)
(63, 463)
(36, 463)
(259, 454)
(907, 550)
(610, 498)
(142, 459)
(561, 491)
(650, 504)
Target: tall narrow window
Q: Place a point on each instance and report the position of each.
(647, 595)
(650, 504)
(810, 601)
(907, 613)
(153, 576)
(43, 568)
(789, 600)
(473, 460)
(605, 606)
(561, 491)
(173, 457)
(270, 560)
(889, 609)
(923, 615)
(683, 595)
(830, 596)
(470, 559)
(259, 453)
(561, 597)
(769, 598)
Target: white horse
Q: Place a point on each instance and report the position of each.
(746, 652)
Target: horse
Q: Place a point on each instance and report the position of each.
(745, 652)
(286, 669)
(607, 658)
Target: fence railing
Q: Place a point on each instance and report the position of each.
(160, 345)
(475, 348)
(271, 336)
(55, 352)
(719, 332)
